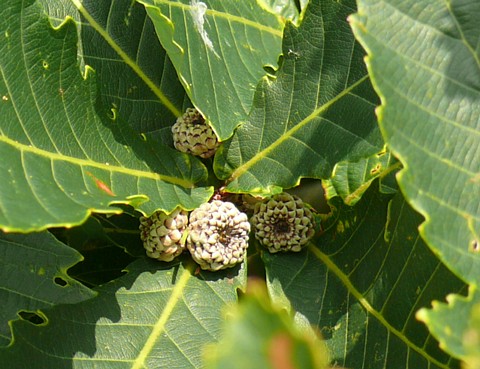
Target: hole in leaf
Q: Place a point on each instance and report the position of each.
(60, 281)
(32, 317)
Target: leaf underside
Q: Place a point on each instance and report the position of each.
(456, 325)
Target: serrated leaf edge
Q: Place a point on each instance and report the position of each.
(219, 14)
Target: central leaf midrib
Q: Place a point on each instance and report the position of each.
(126, 58)
(86, 163)
(159, 326)
(288, 134)
(368, 307)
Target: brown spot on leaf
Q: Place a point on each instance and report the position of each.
(101, 185)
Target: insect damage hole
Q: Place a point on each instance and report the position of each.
(60, 281)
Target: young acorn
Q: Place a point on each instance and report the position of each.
(162, 234)
(218, 235)
(192, 135)
(283, 223)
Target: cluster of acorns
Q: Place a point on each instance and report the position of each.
(216, 234)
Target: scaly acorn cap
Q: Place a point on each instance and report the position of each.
(283, 223)
(192, 135)
(218, 235)
(162, 234)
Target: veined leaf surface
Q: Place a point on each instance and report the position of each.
(63, 155)
(362, 283)
(424, 60)
(219, 49)
(157, 315)
(316, 111)
(28, 262)
(134, 74)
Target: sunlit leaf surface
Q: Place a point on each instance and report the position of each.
(318, 110)
(157, 315)
(424, 61)
(362, 283)
(64, 155)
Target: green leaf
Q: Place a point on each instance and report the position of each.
(351, 179)
(157, 315)
(219, 51)
(33, 276)
(362, 282)
(318, 110)
(424, 62)
(257, 334)
(456, 325)
(64, 155)
(131, 49)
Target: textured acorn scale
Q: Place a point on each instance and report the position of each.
(162, 234)
(283, 223)
(218, 235)
(192, 135)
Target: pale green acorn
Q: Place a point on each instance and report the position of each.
(192, 135)
(283, 223)
(218, 235)
(162, 234)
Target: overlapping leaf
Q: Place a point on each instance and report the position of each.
(259, 335)
(350, 180)
(157, 315)
(219, 50)
(362, 283)
(33, 276)
(424, 63)
(63, 155)
(287, 9)
(317, 111)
